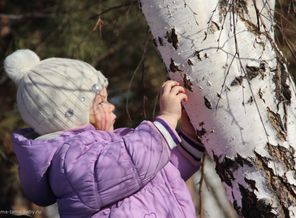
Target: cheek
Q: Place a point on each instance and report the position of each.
(96, 115)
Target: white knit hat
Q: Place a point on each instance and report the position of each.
(53, 94)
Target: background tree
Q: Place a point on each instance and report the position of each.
(114, 37)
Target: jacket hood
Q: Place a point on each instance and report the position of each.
(34, 155)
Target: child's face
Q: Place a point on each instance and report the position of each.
(101, 112)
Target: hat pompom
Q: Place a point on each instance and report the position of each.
(19, 63)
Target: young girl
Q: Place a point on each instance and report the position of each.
(71, 154)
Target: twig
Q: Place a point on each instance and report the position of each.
(134, 73)
(128, 4)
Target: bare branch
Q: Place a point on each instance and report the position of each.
(126, 5)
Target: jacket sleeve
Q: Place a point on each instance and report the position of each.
(33, 178)
(187, 156)
(102, 176)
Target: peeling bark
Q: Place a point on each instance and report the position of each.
(284, 191)
(281, 79)
(254, 207)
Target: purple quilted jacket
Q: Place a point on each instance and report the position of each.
(125, 173)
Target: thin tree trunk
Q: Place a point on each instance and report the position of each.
(242, 99)
(212, 200)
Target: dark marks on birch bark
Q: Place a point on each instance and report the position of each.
(227, 166)
(282, 89)
(187, 83)
(277, 123)
(207, 103)
(172, 38)
(174, 67)
(254, 207)
(251, 73)
(237, 81)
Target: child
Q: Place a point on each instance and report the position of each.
(73, 156)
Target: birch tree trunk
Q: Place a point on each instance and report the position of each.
(242, 99)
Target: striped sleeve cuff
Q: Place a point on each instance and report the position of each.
(170, 135)
(192, 147)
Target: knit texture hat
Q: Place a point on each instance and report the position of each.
(53, 94)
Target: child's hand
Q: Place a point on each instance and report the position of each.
(186, 126)
(171, 96)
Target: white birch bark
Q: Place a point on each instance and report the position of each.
(242, 99)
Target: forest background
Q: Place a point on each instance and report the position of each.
(113, 36)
